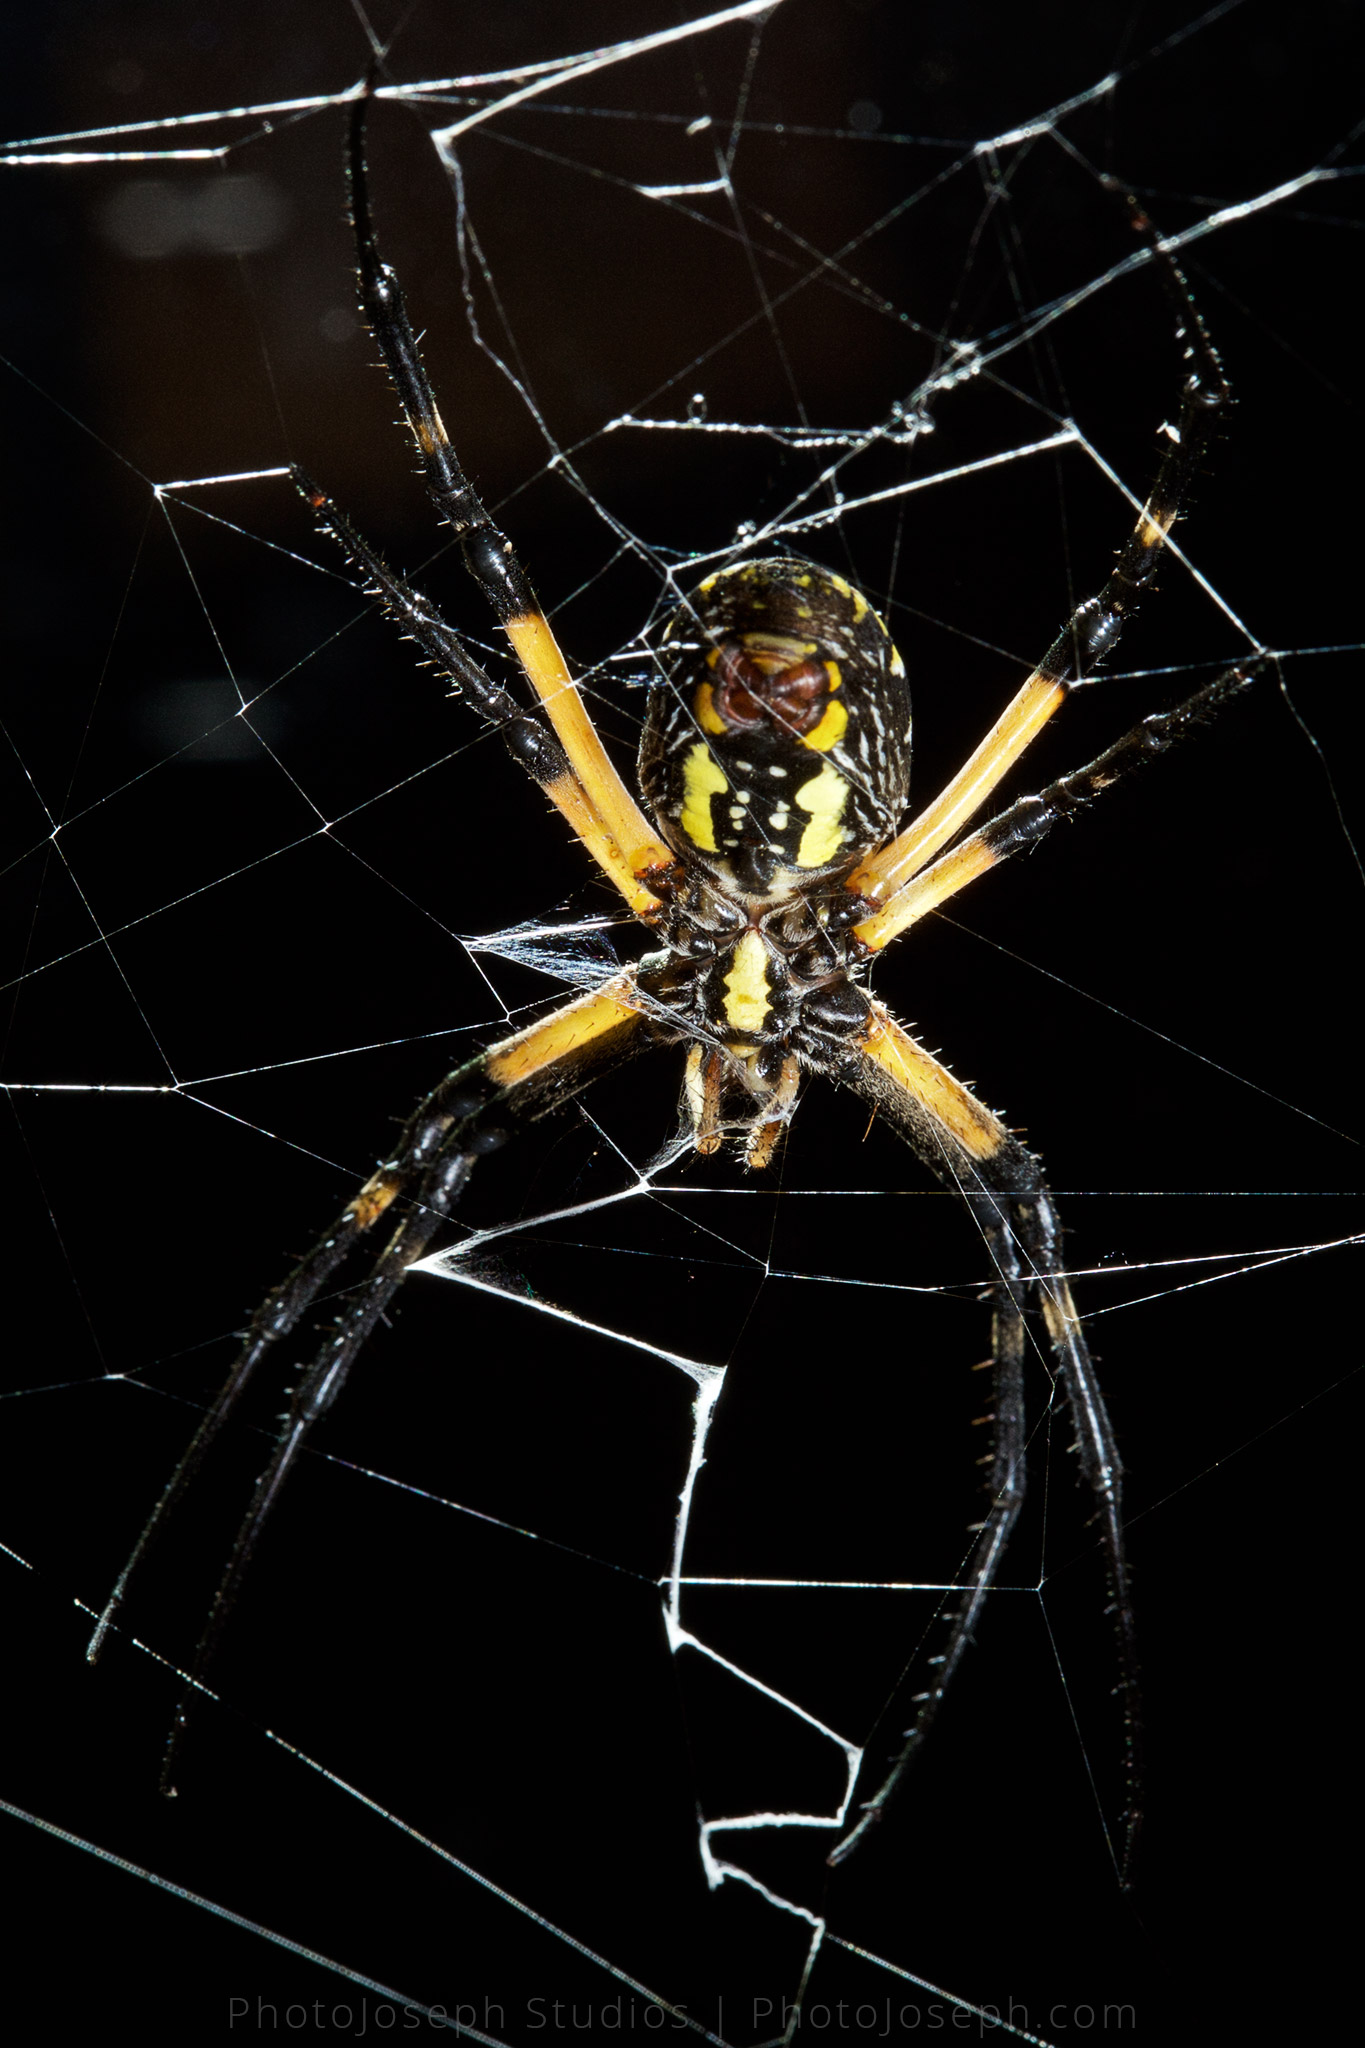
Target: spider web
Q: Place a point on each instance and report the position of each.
(634, 1520)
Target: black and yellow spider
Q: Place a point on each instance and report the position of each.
(775, 764)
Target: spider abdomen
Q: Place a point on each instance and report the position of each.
(776, 746)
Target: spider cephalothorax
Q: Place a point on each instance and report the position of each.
(775, 758)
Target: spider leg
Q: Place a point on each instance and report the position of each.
(1006, 1491)
(534, 748)
(472, 1112)
(489, 555)
(434, 1198)
(1094, 627)
(1029, 820)
(1002, 1184)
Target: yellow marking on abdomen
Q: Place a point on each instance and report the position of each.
(708, 718)
(702, 779)
(747, 1003)
(824, 796)
(829, 731)
(772, 652)
(855, 597)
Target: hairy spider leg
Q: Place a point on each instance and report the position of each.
(530, 744)
(1002, 1184)
(1089, 634)
(533, 1071)
(1024, 823)
(600, 807)
(465, 1117)
(1001, 1181)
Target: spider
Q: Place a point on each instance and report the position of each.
(775, 763)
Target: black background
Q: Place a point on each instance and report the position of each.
(1164, 998)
